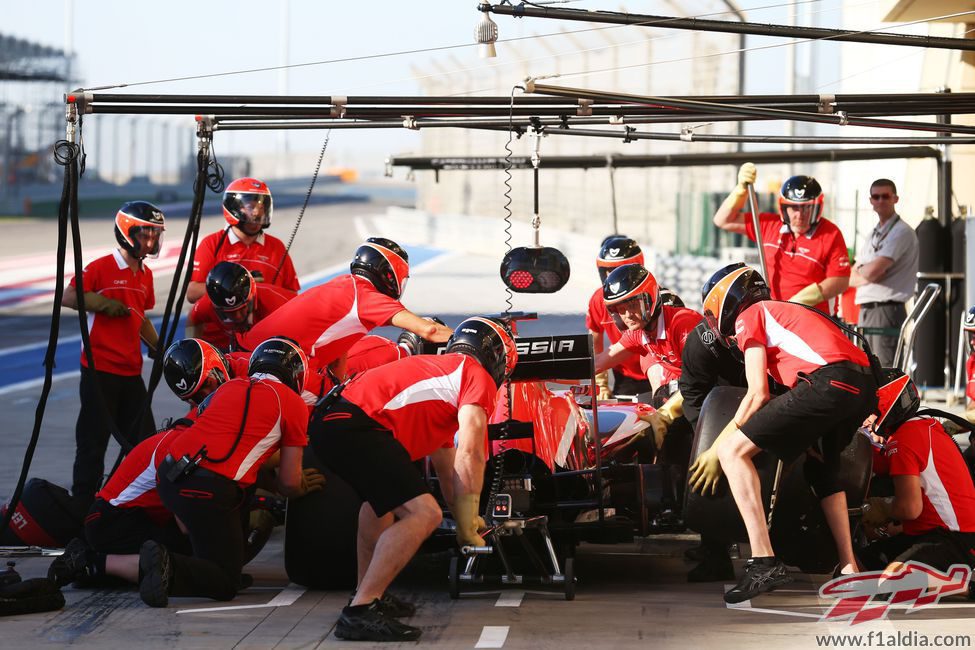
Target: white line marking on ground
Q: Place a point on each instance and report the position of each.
(493, 636)
(510, 599)
(288, 596)
(33, 383)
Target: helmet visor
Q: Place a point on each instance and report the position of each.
(237, 319)
(250, 209)
(147, 240)
(635, 312)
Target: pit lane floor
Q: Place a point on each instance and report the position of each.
(628, 596)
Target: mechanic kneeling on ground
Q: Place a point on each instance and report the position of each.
(204, 479)
(386, 419)
(832, 390)
(934, 498)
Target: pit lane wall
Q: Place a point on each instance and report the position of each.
(477, 245)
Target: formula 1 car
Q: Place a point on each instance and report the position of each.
(566, 469)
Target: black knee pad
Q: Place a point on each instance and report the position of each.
(823, 478)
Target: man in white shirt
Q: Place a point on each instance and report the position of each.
(885, 273)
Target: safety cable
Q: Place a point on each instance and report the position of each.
(65, 154)
(507, 191)
(301, 213)
(417, 51)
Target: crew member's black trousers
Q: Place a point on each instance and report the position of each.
(124, 397)
(210, 506)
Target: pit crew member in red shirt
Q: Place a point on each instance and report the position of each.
(832, 390)
(210, 465)
(628, 378)
(328, 319)
(247, 207)
(934, 496)
(390, 417)
(118, 293)
(233, 303)
(969, 326)
(806, 255)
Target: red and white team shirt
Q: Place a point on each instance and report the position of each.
(276, 417)
(115, 343)
(796, 262)
(266, 302)
(970, 372)
(133, 485)
(418, 398)
(664, 347)
(599, 320)
(328, 319)
(371, 351)
(796, 339)
(263, 256)
(920, 447)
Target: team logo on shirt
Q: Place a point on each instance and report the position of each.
(708, 337)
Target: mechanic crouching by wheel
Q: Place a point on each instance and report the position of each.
(204, 479)
(934, 497)
(832, 390)
(656, 333)
(386, 419)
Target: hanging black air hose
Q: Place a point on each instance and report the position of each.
(65, 153)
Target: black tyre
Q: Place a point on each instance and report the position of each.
(718, 515)
(320, 533)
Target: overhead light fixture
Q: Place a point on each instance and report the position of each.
(486, 34)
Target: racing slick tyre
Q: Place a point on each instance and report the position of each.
(799, 532)
(718, 514)
(320, 533)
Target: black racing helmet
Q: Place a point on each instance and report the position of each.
(801, 191)
(669, 298)
(626, 283)
(729, 292)
(233, 292)
(898, 401)
(414, 344)
(188, 364)
(490, 342)
(139, 227)
(616, 251)
(283, 358)
(384, 263)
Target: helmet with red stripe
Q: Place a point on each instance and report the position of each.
(490, 342)
(802, 192)
(384, 263)
(282, 358)
(193, 369)
(632, 287)
(247, 204)
(897, 402)
(616, 251)
(139, 227)
(729, 292)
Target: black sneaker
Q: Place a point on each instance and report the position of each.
(369, 623)
(156, 572)
(71, 565)
(761, 574)
(390, 605)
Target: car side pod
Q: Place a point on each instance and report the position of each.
(535, 269)
(719, 514)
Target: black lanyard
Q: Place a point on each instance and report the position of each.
(876, 231)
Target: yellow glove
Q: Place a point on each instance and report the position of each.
(970, 415)
(705, 472)
(108, 306)
(602, 386)
(811, 295)
(747, 174)
(659, 425)
(672, 409)
(466, 515)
